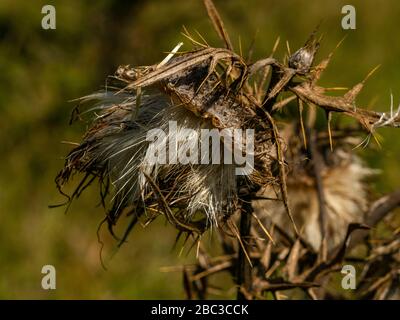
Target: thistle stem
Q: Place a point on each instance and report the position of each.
(244, 275)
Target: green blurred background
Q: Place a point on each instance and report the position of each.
(41, 70)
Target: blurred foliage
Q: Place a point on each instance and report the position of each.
(41, 70)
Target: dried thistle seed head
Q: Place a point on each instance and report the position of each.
(343, 180)
(185, 92)
(116, 149)
(303, 58)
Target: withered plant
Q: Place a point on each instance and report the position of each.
(287, 228)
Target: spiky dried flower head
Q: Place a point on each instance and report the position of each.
(303, 58)
(344, 180)
(186, 90)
